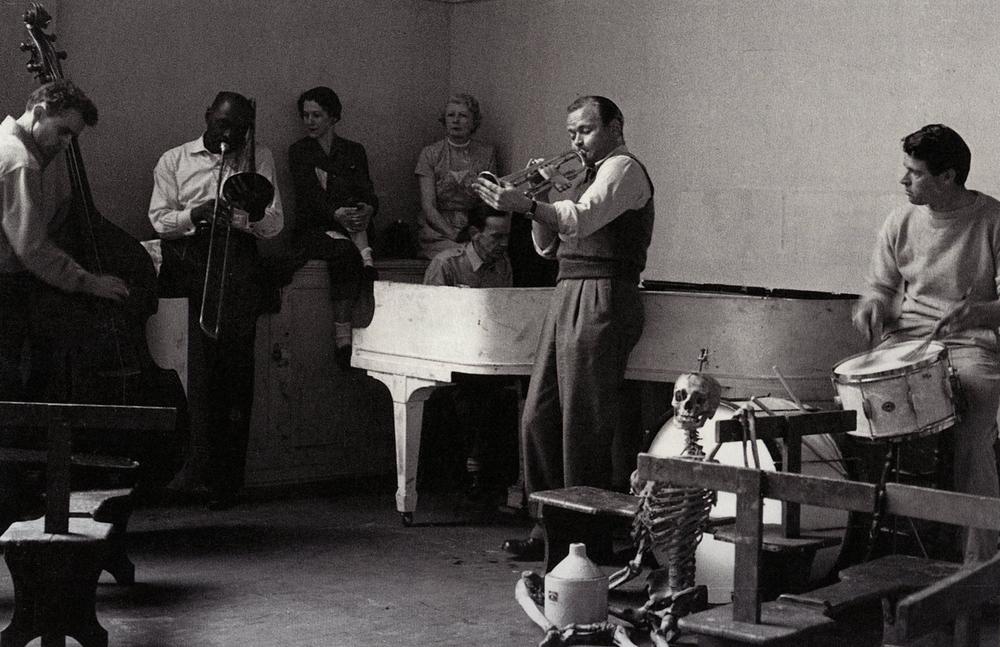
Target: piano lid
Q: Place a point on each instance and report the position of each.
(434, 331)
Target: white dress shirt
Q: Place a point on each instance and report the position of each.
(187, 176)
(618, 185)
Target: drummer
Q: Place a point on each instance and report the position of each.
(935, 271)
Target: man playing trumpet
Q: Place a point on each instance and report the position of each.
(599, 234)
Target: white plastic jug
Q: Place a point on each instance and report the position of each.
(576, 591)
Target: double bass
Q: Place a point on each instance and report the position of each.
(96, 349)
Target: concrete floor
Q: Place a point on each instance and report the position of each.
(330, 569)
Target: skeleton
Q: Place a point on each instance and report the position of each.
(671, 519)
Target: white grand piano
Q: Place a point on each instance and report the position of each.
(420, 335)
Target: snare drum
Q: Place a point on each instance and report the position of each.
(897, 398)
(714, 559)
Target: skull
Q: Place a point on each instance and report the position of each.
(696, 397)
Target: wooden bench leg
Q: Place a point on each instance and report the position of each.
(55, 589)
(113, 507)
(117, 561)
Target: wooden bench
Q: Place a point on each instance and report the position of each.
(112, 506)
(917, 595)
(583, 514)
(592, 515)
(55, 561)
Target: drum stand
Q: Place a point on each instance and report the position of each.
(893, 468)
(669, 523)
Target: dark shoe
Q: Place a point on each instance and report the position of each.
(369, 273)
(476, 489)
(185, 489)
(223, 502)
(343, 357)
(180, 497)
(531, 549)
(484, 492)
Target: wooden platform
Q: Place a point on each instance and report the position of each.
(917, 596)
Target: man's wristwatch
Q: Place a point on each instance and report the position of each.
(531, 210)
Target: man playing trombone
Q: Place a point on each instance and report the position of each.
(185, 202)
(599, 234)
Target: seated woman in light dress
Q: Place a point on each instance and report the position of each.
(446, 170)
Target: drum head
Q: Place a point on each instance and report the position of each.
(714, 560)
(888, 360)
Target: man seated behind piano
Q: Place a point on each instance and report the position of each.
(483, 403)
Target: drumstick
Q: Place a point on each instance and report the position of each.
(788, 389)
(752, 419)
(919, 350)
(749, 424)
(760, 405)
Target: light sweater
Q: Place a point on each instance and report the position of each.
(930, 259)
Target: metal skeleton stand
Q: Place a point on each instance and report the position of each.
(670, 523)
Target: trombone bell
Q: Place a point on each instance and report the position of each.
(250, 191)
(537, 178)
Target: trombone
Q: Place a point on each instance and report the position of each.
(247, 190)
(539, 177)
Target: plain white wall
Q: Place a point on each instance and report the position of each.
(771, 128)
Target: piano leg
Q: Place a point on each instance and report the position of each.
(408, 397)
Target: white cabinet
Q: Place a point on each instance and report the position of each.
(311, 420)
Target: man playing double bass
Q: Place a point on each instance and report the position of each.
(30, 262)
(181, 210)
(55, 113)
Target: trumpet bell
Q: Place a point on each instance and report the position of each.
(249, 191)
(558, 172)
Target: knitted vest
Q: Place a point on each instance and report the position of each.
(616, 250)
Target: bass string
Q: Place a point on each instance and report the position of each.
(106, 312)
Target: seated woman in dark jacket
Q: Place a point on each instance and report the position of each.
(335, 204)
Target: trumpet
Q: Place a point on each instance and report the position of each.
(539, 177)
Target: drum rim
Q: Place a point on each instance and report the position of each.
(854, 378)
